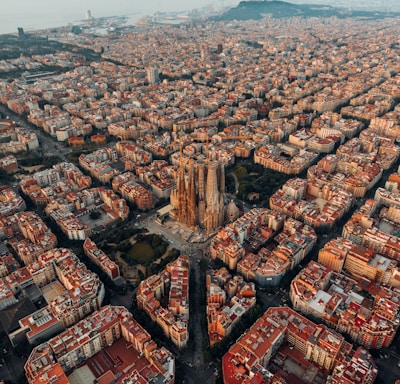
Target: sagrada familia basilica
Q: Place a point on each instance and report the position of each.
(199, 196)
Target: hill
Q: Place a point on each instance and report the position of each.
(255, 10)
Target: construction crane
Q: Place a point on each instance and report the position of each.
(205, 138)
(223, 137)
(181, 146)
(239, 137)
(201, 138)
(219, 139)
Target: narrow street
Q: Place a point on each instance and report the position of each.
(195, 316)
(196, 369)
(50, 146)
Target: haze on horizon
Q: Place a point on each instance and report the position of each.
(39, 14)
(33, 14)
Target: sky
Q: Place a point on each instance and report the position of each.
(52, 13)
(34, 14)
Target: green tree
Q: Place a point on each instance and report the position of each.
(95, 215)
(241, 172)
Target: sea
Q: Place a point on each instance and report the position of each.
(44, 14)
(46, 20)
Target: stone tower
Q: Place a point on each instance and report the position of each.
(198, 198)
(212, 198)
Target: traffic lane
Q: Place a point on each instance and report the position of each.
(274, 299)
(388, 370)
(193, 376)
(5, 372)
(49, 145)
(15, 365)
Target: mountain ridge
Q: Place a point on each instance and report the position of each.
(255, 10)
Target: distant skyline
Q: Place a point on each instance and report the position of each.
(38, 14)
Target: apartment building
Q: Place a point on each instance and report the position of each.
(173, 318)
(58, 358)
(337, 299)
(247, 360)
